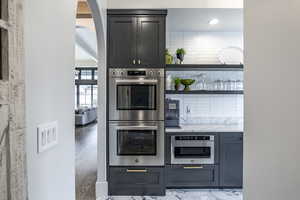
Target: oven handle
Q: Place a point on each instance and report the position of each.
(144, 81)
(137, 127)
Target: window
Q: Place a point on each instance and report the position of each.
(86, 88)
(96, 75)
(77, 72)
(95, 96)
(86, 74)
(85, 95)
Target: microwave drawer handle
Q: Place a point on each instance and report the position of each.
(137, 81)
(137, 127)
(193, 167)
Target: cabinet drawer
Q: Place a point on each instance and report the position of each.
(136, 181)
(193, 176)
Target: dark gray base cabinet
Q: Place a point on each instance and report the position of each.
(136, 181)
(231, 160)
(195, 176)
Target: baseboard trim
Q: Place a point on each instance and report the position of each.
(101, 190)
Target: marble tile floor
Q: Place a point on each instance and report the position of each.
(194, 194)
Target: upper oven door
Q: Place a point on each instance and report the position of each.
(136, 95)
(136, 98)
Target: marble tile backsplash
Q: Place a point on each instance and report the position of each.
(203, 47)
(210, 109)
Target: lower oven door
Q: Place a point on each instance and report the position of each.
(136, 143)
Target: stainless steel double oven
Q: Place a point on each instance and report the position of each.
(136, 117)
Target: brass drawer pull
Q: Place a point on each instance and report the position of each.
(198, 167)
(136, 170)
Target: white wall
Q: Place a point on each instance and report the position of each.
(203, 47)
(49, 60)
(272, 100)
(175, 4)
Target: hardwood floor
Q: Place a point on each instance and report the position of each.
(86, 162)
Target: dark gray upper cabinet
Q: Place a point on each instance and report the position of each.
(151, 41)
(231, 164)
(136, 38)
(121, 41)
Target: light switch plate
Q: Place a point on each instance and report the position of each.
(47, 136)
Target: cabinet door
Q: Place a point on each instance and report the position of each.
(122, 41)
(231, 165)
(151, 41)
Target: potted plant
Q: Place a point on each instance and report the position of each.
(180, 54)
(169, 57)
(187, 83)
(177, 82)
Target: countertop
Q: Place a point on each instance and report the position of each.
(206, 128)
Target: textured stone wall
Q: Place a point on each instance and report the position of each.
(12, 108)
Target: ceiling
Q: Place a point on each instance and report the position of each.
(197, 19)
(84, 15)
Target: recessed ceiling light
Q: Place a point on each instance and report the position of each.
(214, 21)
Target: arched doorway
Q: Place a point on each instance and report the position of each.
(97, 12)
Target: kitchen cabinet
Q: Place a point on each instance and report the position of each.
(231, 160)
(136, 181)
(136, 38)
(192, 176)
(121, 41)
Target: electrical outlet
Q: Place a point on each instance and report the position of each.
(47, 136)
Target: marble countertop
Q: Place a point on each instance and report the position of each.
(206, 128)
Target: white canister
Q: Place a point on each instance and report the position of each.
(169, 82)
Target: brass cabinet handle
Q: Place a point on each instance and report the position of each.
(133, 61)
(139, 62)
(136, 170)
(193, 167)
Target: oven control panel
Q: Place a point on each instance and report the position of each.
(193, 138)
(127, 73)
